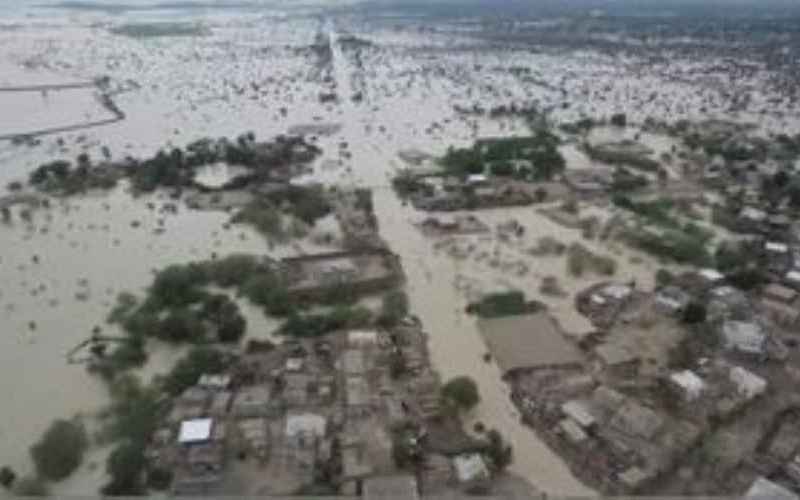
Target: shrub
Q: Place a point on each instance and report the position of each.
(60, 450)
(187, 371)
(462, 392)
(31, 487)
(694, 313)
(125, 466)
(394, 308)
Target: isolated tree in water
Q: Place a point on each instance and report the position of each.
(462, 392)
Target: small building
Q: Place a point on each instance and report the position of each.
(762, 489)
(775, 247)
(251, 402)
(362, 338)
(470, 468)
(744, 337)
(195, 431)
(218, 382)
(572, 431)
(780, 293)
(671, 300)
(687, 384)
(294, 364)
(711, 276)
(783, 314)
(748, 384)
(353, 362)
(578, 412)
(633, 478)
(305, 426)
(617, 359)
(358, 398)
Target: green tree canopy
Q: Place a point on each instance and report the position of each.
(60, 450)
(462, 392)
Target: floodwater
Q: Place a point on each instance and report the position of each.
(254, 73)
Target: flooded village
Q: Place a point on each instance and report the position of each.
(386, 254)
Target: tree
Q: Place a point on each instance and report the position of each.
(664, 278)
(461, 392)
(619, 120)
(199, 361)
(125, 466)
(695, 313)
(394, 308)
(60, 450)
(231, 327)
(500, 454)
(182, 325)
(7, 476)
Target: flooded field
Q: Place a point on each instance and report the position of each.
(63, 266)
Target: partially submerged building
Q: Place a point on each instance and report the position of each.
(526, 342)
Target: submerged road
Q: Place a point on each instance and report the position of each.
(455, 344)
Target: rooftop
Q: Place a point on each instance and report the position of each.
(195, 431)
(527, 341)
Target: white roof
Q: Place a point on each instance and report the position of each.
(617, 291)
(597, 299)
(195, 431)
(793, 275)
(477, 178)
(773, 246)
(305, 423)
(362, 337)
(470, 467)
(764, 489)
(753, 213)
(689, 382)
(710, 274)
(743, 336)
(577, 411)
(748, 383)
(294, 364)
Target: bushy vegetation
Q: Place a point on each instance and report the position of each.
(394, 308)
(60, 450)
(314, 325)
(500, 304)
(499, 157)
(580, 259)
(176, 168)
(62, 177)
(135, 412)
(500, 453)
(684, 247)
(461, 393)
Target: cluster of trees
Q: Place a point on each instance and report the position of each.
(541, 150)
(580, 259)
(62, 177)
(179, 308)
(60, 450)
(317, 324)
(657, 211)
(134, 414)
(176, 167)
(304, 203)
(686, 246)
(498, 304)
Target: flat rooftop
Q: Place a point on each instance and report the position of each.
(528, 341)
